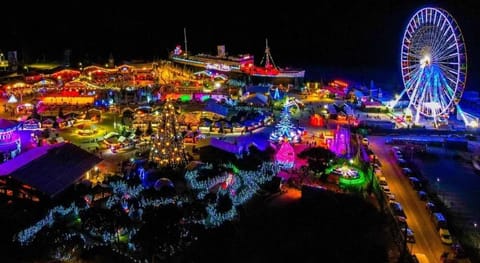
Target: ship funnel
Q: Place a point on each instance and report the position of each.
(221, 51)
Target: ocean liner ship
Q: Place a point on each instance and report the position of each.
(220, 62)
(270, 70)
(243, 64)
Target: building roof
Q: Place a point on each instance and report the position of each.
(258, 89)
(57, 169)
(217, 108)
(8, 125)
(10, 166)
(256, 99)
(238, 144)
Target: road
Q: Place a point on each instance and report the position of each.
(418, 219)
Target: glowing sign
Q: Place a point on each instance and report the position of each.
(178, 50)
(220, 67)
(32, 124)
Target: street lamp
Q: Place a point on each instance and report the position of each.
(476, 238)
(438, 188)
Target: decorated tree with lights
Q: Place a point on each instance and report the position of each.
(285, 129)
(168, 148)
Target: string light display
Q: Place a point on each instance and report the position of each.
(168, 148)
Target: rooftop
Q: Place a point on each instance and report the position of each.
(59, 167)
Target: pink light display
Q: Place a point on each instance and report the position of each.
(285, 156)
(341, 142)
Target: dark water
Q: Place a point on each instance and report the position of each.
(459, 183)
(388, 79)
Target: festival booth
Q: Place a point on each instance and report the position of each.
(316, 120)
(19, 88)
(47, 123)
(68, 98)
(94, 115)
(257, 99)
(32, 124)
(65, 122)
(10, 141)
(45, 85)
(86, 129)
(76, 86)
(25, 108)
(66, 75)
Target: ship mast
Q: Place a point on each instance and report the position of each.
(185, 40)
(269, 63)
(267, 54)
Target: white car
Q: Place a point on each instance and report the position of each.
(365, 141)
(382, 180)
(407, 171)
(390, 196)
(386, 188)
(445, 236)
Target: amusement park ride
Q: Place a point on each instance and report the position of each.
(434, 67)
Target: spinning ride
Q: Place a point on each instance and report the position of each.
(433, 63)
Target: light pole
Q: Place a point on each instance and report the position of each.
(438, 189)
(475, 232)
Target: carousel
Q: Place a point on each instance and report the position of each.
(10, 143)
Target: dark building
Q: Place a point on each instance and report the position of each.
(42, 174)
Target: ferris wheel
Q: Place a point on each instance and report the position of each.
(433, 62)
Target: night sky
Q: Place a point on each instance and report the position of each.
(362, 35)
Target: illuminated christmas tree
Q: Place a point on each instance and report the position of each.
(285, 129)
(168, 148)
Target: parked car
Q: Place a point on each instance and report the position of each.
(390, 196)
(458, 251)
(397, 208)
(382, 180)
(422, 195)
(445, 236)
(398, 155)
(385, 188)
(402, 221)
(402, 163)
(365, 141)
(395, 148)
(439, 220)
(431, 208)
(407, 171)
(410, 235)
(415, 182)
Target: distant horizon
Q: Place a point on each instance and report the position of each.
(386, 78)
(350, 36)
